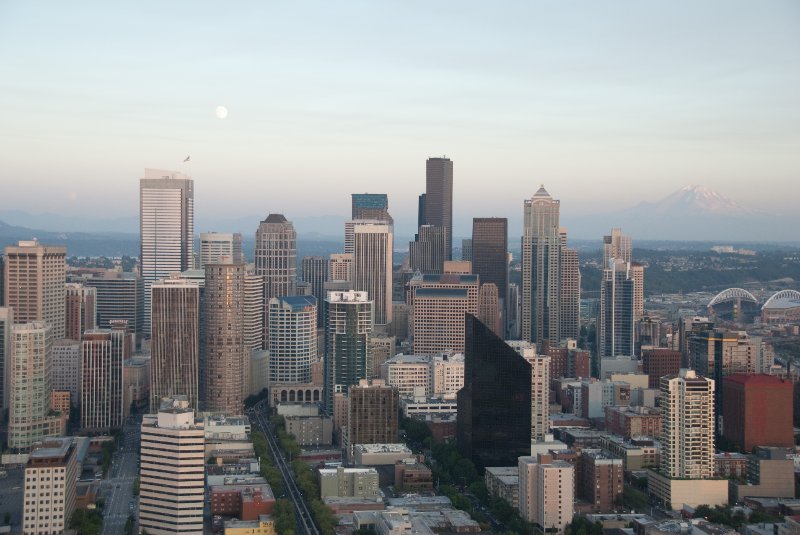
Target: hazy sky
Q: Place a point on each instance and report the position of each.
(606, 103)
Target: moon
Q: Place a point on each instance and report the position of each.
(221, 112)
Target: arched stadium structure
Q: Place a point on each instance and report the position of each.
(782, 307)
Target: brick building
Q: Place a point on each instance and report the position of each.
(757, 411)
(657, 363)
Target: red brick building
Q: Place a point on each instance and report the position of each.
(757, 411)
(246, 502)
(633, 421)
(567, 362)
(657, 363)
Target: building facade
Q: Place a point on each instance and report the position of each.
(49, 487)
(372, 267)
(214, 246)
(292, 338)
(615, 321)
(756, 411)
(439, 198)
(81, 312)
(102, 393)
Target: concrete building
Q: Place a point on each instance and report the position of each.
(546, 492)
(30, 384)
(81, 313)
(292, 338)
(601, 481)
(633, 421)
(34, 281)
(66, 362)
(253, 312)
(426, 253)
(340, 268)
(135, 384)
(166, 228)
(637, 273)
(569, 291)
(540, 394)
(770, 474)
(6, 337)
(409, 374)
(216, 245)
(174, 346)
(489, 308)
(172, 470)
(373, 415)
(615, 320)
(380, 454)
(503, 482)
(276, 256)
(49, 486)
(265, 525)
(310, 430)
(349, 323)
(617, 246)
(757, 411)
(348, 482)
(102, 393)
(439, 304)
(372, 266)
(439, 198)
(119, 296)
(225, 357)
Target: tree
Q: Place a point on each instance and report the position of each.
(86, 522)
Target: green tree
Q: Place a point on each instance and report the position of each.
(86, 522)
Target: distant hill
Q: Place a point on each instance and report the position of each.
(77, 243)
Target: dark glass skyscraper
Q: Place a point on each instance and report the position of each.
(489, 254)
(494, 407)
(371, 206)
(439, 198)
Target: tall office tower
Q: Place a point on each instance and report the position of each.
(166, 228)
(541, 246)
(292, 338)
(224, 357)
(215, 245)
(6, 324)
(103, 355)
(540, 393)
(67, 356)
(30, 375)
(570, 292)
(494, 407)
(490, 253)
(489, 311)
(426, 253)
(617, 246)
(2, 280)
(315, 272)
(546, 492)
(172, 474)
(372, 418)
(174, 349)
(276, 260)
(371, 206)
(637, 273)
(372, 267)
(253, 311)
(81, 312)
(119, 297)
(349, 321)
(340, 267)
(688, 328)
(421, 210)
(513, 308)
(50, 479)
(615, 325)
(687, 434)
(466, 249)
(440, 303)
(439, 198)
(34, 280)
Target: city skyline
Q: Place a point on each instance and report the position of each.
(520, 102)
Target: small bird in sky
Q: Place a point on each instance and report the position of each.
(186, 159)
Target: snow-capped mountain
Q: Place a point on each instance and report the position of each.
(697, 200)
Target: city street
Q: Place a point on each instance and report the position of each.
(117, 488)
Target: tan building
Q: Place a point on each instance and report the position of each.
(81, 312)
(381, 454)
(216, 245)
(34, 283)
(546, 492)
(340, 267)
(440, 303)
(373, 415)
(372, 266)
(448, 375)
(633, 421)
(226, 360)
(30, 374)
(66, 359)
(49, 487)
(503, 482)
(409, 374)
(770, 474)
(540, 394)
(348, 482)
(174, 347)
(263, 526)
(253, 311)
(135, 384)
(489, 311)
(103, 355)
(381, 349)
(172, 473)
(6, 337)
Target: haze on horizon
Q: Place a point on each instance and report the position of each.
(607, 104)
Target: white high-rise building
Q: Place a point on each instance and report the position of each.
(215, 245)
(166, 227)
(6, 324)
(540, 394)
(292, 338)
(253, 311)
(617, 246)
(172, 474)
(372, 267)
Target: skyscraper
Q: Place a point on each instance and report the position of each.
(426, 253)
(541, 246)
(315, 272)
(30, 374)
(103, 354)
(349, 324)
(81, 312)
(569, 292)
(617, 246)
(225, 359)
(371, 206)
(372, 416)
(174, 348)
(637, 273)
(489, 310)
(172, 474)
(540, 393)
(253, 311)
(615, 324)
(340, 268)
(292, 338)
(276, 260)
(215, 245)
(439, 198)
(440, 303)
(6, 323)
(166, 228)
(490, 252)
(421, 210)
(494, 407)
(34, 280)
(372, 267)
(119, 297)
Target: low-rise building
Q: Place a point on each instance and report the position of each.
(503, 482)
(351, 482)
(637, 453)
(244, 497)
(380, 454)
(49, 486)
(310, 430)
(769, 474)
(601, 480)
(411, 475)
(633, 421)
(264, 525)
(730, 465)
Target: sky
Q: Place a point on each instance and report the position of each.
(605, 103)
